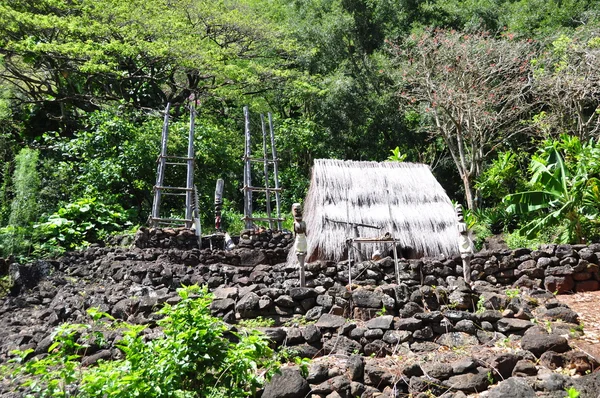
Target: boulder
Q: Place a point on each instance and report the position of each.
(476, 381)
(537, 340)
(329, 321)
(288, 384)
(512, 388)
(341, 345)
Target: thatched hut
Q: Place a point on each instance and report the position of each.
(346, 198)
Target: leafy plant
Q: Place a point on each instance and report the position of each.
(258, 322)
(512, 293)
(481, 304)
(80, 223)
(572, 392)
(198, 357)
(490, 377)
(396, 156)
(502, 177)
(560, 195)
(298, 321)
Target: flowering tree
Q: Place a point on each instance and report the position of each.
(473, 89)
(567, 78)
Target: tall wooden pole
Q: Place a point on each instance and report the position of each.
(160, 172)
(275, 172)
(247, 172)
(189, 198)
(266, 170)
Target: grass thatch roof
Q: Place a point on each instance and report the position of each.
(403, 199)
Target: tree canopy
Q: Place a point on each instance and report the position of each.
(458, 85)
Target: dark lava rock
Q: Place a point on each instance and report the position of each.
(366, 298)
(317, 373)
(341, 345)
(372, 334)
(463, 365)
(377, 349)
(425, 333)
(512, 388)
(512, 325)
(222, 306)
(503, 364)
(419, 384)
(412, 370)
(301, 293)
(377, 376)
(306, 351)
(294, 336)
(381, 322)
(330, 321)
(248, 305)
(396, 336)
(339, 384)
(437, 370)
(356, 367)
(537, 340)
(524, 367)
(564, 314)
(288, 384)
(588, 385)
(311, 334)
(457, 339)
(410, 324)
(469, 382)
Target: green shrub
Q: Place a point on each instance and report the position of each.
(197, 357)
(4, 193)
(79, 224)
(26, 184)
(516, 240)
(15, 241)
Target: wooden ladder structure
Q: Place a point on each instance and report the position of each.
(189, 191)
(249, 188)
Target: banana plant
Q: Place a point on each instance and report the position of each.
(560, 196)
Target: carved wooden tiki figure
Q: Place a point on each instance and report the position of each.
(300, 245)
(465, 244)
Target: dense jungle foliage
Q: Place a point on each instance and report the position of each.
(500, 97)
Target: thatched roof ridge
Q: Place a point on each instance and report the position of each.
(402, 198)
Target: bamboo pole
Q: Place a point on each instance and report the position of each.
(266, 170)
(275, 172)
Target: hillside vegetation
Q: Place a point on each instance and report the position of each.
(501, 99)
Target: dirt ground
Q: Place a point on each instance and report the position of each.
(587, 305)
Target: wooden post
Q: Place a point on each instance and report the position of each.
(160, 172)
(247, 173)
(189, 199)
(266, 170)
(358, 245)
(350, 248)
(218, 203)
(197, 218)
(396, 265)
(275, 173)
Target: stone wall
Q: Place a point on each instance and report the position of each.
(507, 324)
(185, 239)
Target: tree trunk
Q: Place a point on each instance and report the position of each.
(468, 191)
